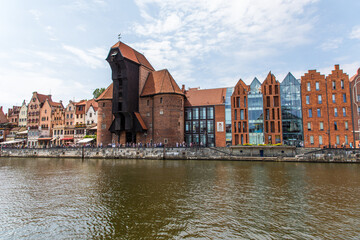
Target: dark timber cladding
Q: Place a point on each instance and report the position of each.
(125, 63)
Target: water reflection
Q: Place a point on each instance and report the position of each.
(135, 199)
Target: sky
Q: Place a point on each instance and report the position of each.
(59, 47)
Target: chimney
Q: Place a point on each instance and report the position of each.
(337, 67)
(183, 88)
(1, 108)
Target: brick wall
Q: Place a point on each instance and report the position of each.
(272, 110)
(220, 134)
(239, 114)
(105, 118)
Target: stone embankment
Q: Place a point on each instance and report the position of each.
(238, 153)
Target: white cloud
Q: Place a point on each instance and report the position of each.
(355, 33)
(94, 58)
(181, 34)
(331, 44)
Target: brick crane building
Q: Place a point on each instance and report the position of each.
(141, 105)
(355, 101)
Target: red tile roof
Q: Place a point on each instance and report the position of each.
(3, 118)
(133, 55)
(42, 98)
(90, 103)
(141, 121)
(205, 97)
(159, 82)
(82, 102)
(107, 94)
(56, 104)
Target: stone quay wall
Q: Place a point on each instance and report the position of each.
(243, 153)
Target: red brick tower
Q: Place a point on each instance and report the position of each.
(162, 110)
(105, 117)
(239, 114)
(272, 110)
(355, 101)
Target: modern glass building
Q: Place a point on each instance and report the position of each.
(290, 94)
(256, 113)
(229, 92)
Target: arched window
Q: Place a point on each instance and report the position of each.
(161, 100)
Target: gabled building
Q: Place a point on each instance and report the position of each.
(291, 114)
(33, 117)
(13, 115)
(91, 112)
(23, 115)
(239, 103)
(326, 109)
(272, 110)
(355, 103)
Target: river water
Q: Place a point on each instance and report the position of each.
(150, 199)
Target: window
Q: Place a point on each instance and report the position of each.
(103, 104)
(235, 114)
(333, 85)
(310, 113)
(244, 101)
(346, 139)
(238, 102)
(147, 102)
(344, 112)
(319, 99)
(210, 113)
(342, 84)
(321, 126)
(335, 126)
(344, 97)
(337, 139)
(346, 125)
(161, 100)
(311, 139)
(320, 140)
(203, 113)
(242, 114)
(317, 86)
(308, 87)
(307, 99)
(309, 126)
(358, 98)
(318, 112)
(195, 113)
(335, 112)
(333, 98)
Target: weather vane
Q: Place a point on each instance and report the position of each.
(119, 36)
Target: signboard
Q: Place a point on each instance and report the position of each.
(220, 126)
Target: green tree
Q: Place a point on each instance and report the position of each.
(97, 92)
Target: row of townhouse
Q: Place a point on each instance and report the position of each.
(43, 122)
(316, 111)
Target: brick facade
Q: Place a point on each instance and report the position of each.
(355, 101)
(105, 118)
(272, 110)
(239, 108)
(326, 109)
(220, 131)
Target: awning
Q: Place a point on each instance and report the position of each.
(86, 140)
(13, 141)
(67, 139)
(23, 132)
(44, 139)
(93, 128)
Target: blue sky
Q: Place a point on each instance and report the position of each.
(59, 47)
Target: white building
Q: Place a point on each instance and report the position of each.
(23, 115)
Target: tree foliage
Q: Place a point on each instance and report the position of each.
(97, 92)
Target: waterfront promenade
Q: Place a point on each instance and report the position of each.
(241, 153)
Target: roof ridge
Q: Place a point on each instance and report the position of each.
(162, 80)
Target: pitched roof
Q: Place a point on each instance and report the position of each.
(56, 104)
(42, 98)
(205, 97)
(160, 82)
(93, 103)
(107, 94)
(240, 88)
(133, 55)
(141, 121)
(82, 102)
(3, 118)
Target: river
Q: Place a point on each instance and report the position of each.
(151, 199)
